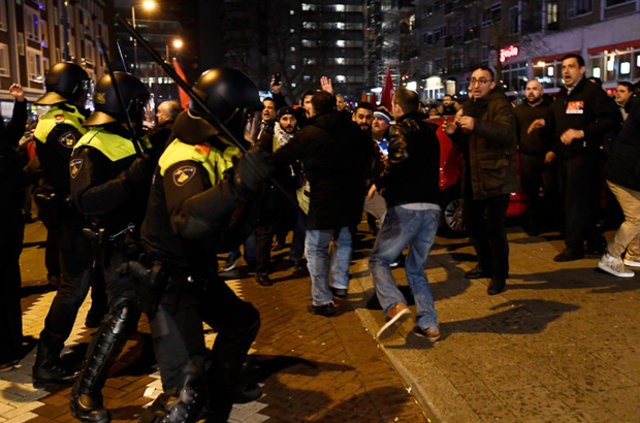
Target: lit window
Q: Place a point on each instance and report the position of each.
(595, 72)
(293, 67)
(341, 43)
(4, 60)
(34, 65)
(625, 68)
(292, 12)
(340, 61)
(550, 71)
(292, 48)
(339, 8)
(610, 65)
(341, 79)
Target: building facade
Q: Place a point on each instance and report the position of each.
(522, 40)
(36, 34)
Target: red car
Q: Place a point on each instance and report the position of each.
(450, 185)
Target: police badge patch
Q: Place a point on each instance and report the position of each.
(183, 174)
(67, 140)
(74, 167)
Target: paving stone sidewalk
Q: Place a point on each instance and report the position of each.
(311, 368)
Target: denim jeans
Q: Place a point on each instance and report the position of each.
(402, 227)
(317, 251)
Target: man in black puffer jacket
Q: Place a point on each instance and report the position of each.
(623, 177)
(334, 153)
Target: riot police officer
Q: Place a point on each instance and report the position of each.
(196, 210)
(55, 135)
(110, 179)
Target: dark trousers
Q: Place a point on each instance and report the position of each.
(535, 174)
(579, 179)
(75, 259)
(486, 220)
(179, 339)
(11, 236)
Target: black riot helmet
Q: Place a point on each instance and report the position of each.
(230, 95)
(107, 105)
(65, 82)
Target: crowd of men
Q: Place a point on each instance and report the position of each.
(141, 216)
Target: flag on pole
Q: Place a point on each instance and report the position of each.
(387, 91)
(184, 97)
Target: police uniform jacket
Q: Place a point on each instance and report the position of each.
(194, 201)
(586, 108)
(56, 134)
(490, 149)
(101, 187)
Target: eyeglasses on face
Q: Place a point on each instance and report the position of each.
(480, 81)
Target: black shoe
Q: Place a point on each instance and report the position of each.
(597, 248)
(326, 310)
(339, 292)
(477, 273)
(496, 286)
(569, 254)
(250, 392)
(52, 374)
(263, 279)
(86, 408)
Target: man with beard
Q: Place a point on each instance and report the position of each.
(536, 160)
(363, 116)
(374, 203)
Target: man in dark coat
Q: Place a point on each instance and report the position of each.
(582, 116)
(485, 130)
(334, 152)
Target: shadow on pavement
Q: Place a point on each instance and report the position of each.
(581, 278)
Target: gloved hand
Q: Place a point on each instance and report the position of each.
(140, 172)
(253, 169)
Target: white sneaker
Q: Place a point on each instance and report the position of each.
(631, 261)
(615, 266)
(396, 316)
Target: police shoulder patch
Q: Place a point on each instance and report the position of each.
(68, 139)
(74, 167)
(183, 174)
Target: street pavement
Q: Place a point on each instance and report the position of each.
(560, 344)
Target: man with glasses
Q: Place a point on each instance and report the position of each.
(485, 130)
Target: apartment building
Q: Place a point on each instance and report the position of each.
(35, 34)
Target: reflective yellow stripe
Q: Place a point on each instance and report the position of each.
(48, 122)
(111, 145)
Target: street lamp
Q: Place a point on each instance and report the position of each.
(148, 5)
(177, 44)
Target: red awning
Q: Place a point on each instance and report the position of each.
(619, 46)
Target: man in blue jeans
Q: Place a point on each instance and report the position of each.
(333, 152)
(410, 187)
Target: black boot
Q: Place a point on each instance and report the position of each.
(48, 369)
(86, 397)
(187, 407)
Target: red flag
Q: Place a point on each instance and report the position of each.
(387, 91)
(184, 97)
